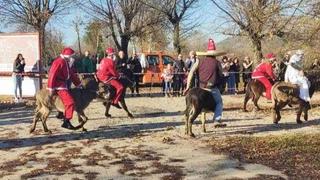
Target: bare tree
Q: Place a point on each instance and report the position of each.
(35, 13)
(176, 13)
(258, 19)
(123, 18)
(77, 23)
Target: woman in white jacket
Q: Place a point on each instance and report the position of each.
(295, 75)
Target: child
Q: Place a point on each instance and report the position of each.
(167, 75)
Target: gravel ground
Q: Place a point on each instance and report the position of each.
(151, 146)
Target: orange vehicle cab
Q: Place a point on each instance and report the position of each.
(155, 63)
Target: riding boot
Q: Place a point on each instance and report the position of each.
(66, 124)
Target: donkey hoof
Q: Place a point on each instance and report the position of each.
(84, 130)
(31, 130)
(275, 122)
(306, 118)
(108, 115)
(48, 132)
(192, 135)
(245, 110)
(130, 116)
(299, 122)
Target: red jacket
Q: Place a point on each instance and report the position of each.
(107, 70)
(60, 73)
(263, 70)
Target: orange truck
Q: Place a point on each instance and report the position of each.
(156, 62)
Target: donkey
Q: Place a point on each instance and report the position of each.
(82, 97)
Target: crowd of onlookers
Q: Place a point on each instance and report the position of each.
(175, 75)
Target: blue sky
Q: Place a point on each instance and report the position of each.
(206, 13)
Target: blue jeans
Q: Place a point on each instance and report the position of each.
(232, 83)
(219, 104)
(17, 84)
(167, 87)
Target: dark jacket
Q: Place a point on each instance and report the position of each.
(18, 67)
(135, 65)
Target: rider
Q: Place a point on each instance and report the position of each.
(108, 74)
(295, 75)
(210, 76)
(263, 72)
(59, 81)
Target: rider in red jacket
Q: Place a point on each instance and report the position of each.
(61, 75)
(263, 72)
(107, 74)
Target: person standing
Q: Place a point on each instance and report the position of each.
(283, 67)
(225, 71)
(18, 69)
(61, 74)
(108, 74)
(237, 73)
(178, 69)
(210, 75)
(136, 68)
(232, 77)
(189, 63)
(87, 63)
(246, 71)
(167, 76)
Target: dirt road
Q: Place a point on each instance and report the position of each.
(151, 146)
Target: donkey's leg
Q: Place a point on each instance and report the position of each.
(196, 112)
(275, 111)
(280, 105)
(124, 106)
(36, 118)
(255, 101)
(299, 111)
(247, 97)
(44, 118)
(203, 121)
(107, 106)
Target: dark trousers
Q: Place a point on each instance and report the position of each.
(178, 85)
(136, 80)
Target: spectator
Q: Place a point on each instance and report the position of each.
(232, 77)
(123, 68)
(179, 69)
(237, 73)
(78, 64)
(189, 63)
(283, 67)
(246, 71)
(136, 68)
(315, 64)
(167, 76)
(87, 64)
(225, 70)
(18, 68)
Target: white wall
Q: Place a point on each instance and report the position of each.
(29, 86)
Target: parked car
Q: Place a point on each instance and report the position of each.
(156, 62)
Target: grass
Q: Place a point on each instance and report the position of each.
(296, 155)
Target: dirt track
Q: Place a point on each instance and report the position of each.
(152, 146)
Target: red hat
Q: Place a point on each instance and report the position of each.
(110, 50)
(270, 56)
(211, 45)
(67, 52)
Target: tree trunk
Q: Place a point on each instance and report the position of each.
(124, 44)
(79, 43)
(42, 44)
(257, 50)
(176, 38)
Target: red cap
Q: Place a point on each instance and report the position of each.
(67, 52)
(211, 45)
(109, 50)
(270, 56)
